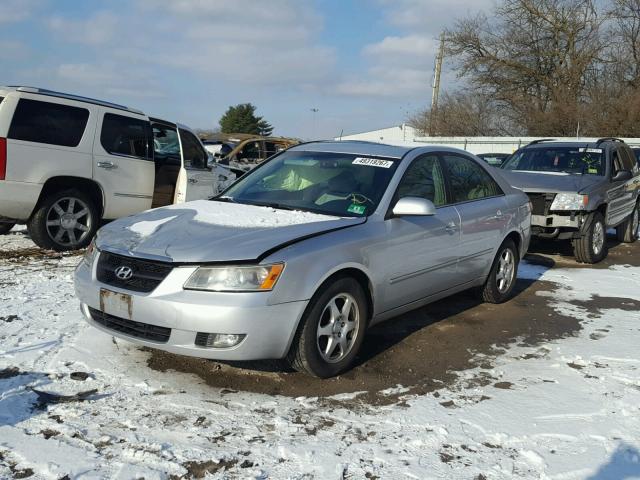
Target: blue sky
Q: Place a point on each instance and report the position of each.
(363, 64)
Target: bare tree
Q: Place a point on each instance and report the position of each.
(463, 114)
(533, 58)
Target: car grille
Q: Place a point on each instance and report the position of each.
(541, 202)
(147, 274)
(140, 330)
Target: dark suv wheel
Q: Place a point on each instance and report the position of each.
(65, 220)
(6, 227)
(591, 247)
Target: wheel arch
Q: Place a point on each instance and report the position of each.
(516, 237)
(85, 185)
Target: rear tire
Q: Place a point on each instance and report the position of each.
(627, 231)
(331, 330)
(502, 277)
(65, 220)
(6, 227)
(591, 247)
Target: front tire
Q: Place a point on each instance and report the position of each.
(627, 231)
(6, 227)
(591, 247)
(65, 220)
(331, 330)
(502, 277)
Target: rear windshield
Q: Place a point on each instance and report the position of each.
(561, 160)
(51, 123)
(330, 183)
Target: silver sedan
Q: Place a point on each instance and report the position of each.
(300, 256)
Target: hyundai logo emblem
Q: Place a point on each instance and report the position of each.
(123, 273)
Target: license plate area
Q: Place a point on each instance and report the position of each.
(116, 304)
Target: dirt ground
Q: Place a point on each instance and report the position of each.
(424, 349)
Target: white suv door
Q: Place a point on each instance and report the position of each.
(201, 181)
(123, 162)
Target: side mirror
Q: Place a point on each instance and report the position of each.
(413, 206)
(622, 176)
(210, 160)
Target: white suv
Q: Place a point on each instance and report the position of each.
(68, 162)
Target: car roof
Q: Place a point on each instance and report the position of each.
(587, 143)
(67, 96)
(354, 147)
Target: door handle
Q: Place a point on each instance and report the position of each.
(193, 180)
(451, 227)
(498, 216)
(107, 165)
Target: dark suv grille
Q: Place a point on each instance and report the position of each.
(147, 274)
(141, 330)
(541, 202)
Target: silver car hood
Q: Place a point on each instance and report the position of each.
(209, 231)
(549, 182)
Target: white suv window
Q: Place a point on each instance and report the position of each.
(51, 123)
(126, 136)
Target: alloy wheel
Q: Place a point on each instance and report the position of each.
(68, 221)
(506, 269)
(597, 241)
(338, 328)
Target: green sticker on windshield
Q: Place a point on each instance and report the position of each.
(354, 208)
(592, 170)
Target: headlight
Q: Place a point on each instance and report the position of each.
(569, 201)
(90, 254)
(235, 278)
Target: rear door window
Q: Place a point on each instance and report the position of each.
(50, 123)
(468, 180)
(126, 136)
(195, 156)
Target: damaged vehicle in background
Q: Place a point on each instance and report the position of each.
(578, 190)
(305, 252)
(67, 163)
(242, 152)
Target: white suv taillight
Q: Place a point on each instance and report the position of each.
(3, 158)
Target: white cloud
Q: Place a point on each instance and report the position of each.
(402, 66)
(234, 40)
(17, 10)
(99, 29)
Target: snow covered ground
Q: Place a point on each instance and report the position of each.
(564, 409)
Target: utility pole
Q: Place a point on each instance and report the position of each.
(435, 92)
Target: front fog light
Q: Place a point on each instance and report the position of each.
(218, 340)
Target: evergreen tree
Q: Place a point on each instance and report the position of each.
(242, 119)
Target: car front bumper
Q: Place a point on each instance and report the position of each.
(268, 328)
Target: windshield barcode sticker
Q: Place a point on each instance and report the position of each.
(590, 150)
(373, 162)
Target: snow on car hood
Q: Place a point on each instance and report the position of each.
(549, 182)
(210, 231)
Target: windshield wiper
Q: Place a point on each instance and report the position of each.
(279, 206)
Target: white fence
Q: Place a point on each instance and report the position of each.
(405, 135)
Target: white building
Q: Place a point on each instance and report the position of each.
(406, 135)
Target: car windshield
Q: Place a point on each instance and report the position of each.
(562, 160)
(328, 183)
